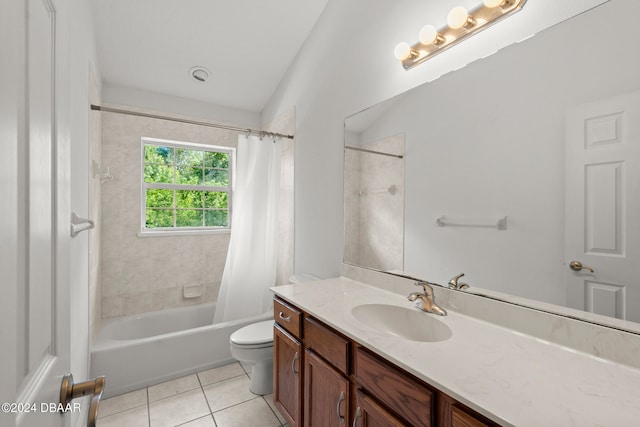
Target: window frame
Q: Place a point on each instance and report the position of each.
(176, 231)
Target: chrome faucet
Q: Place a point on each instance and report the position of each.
(427, 301)
(454, 284)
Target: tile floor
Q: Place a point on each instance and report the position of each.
(218, 397)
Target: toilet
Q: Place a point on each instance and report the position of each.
(253, 345)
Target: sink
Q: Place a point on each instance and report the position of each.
(402, 322)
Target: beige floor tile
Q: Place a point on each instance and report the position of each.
(136, 417)
(254, 413)
(122, 402)
(173, 387)
(201, 422)
(178, 409)
(221, 373)
(269, 399)
(227, 393)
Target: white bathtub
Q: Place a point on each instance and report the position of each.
(138, 351)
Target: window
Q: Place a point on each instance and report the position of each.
(185, 187)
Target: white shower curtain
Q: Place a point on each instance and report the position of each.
(250, 268)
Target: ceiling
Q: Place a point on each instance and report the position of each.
(247, 45)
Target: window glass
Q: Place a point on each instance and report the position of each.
(185, 186)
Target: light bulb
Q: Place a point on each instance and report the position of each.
(402, 51)
(429, 35)
(458, 17)
(493, 3)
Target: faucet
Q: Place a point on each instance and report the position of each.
(427, 301)
(453, 283)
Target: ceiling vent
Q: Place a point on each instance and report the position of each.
(199, 74)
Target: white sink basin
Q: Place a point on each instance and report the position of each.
(402, 322)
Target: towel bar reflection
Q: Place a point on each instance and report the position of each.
(500, 224)
(79, 224)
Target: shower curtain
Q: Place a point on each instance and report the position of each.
(250, 268)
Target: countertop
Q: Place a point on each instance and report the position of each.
(511, 378)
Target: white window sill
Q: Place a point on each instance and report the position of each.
(175, 233)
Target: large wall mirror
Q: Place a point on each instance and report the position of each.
(511, 168)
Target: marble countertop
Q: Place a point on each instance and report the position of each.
(511, 378)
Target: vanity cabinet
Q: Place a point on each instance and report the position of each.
(287, 363)
(369, 413)
(454, 414)
(411, 399)
(324, 379)
(326, 394)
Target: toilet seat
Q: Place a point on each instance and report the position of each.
(257, 335)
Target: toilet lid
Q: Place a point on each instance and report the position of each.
(256, 333)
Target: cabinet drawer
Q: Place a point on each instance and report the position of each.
(327, 344)
(409, 398)
(288, 317)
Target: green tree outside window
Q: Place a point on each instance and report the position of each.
(186, 187)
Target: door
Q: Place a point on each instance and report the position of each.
(326, 394)
(35, 220)
(603, 207)
(287, 376)
(370, 414)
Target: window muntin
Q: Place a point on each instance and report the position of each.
(185, 186)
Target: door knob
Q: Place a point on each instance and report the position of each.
(577, 266)
(70, 390)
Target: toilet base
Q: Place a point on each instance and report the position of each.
(262, 377)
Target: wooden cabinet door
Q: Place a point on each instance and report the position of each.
(460, 418)
(326, 394)
(370, 414)
(287, 376)
(452, 413)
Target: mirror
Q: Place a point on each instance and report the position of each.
(374, 201)
(488, 162)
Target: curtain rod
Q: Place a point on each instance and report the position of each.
(365, 150)
(261, 133)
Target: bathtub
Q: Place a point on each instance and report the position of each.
(138, 351)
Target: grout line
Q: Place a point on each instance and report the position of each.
(148, 408)
(206, 400)
(236, 404)
(199, 418)
(272, 409)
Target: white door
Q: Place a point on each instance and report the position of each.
(34, 308)
(603, 206)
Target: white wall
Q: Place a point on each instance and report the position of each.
(189, 108)
(346, 65)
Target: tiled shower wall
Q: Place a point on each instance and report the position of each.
(374, 206)
(141, 274)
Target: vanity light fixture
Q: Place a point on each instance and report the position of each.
(461, 24)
